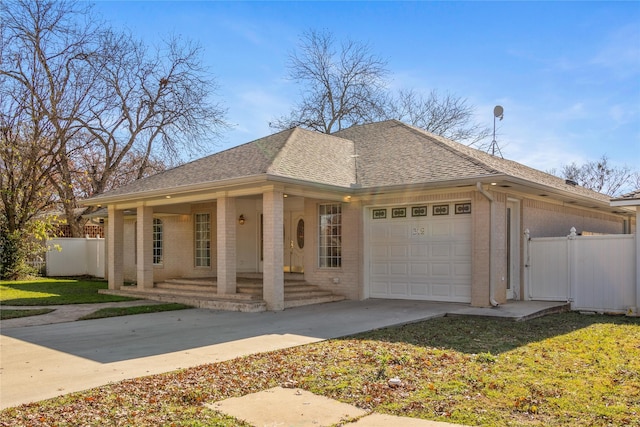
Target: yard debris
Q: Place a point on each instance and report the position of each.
(394, 382)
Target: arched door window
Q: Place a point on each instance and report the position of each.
(300, 233)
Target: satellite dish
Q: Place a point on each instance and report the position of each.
(498, 113)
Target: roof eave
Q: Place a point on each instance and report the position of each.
(566, 196)
(435, 184)
(212, 187)
(625, 202)
(106, 199)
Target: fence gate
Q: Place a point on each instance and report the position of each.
(595, 273)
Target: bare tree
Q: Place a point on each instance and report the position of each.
(25, 164)
(601, 176)
(347, 85)
(25, 161)
(106, 96)
(445, 115)
(635, 181)
(43, 57)
(340, 88)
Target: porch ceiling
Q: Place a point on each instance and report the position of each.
(202, 193)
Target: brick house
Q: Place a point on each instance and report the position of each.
(382, 210)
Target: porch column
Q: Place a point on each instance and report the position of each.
(115, 247)
(273, 274)
(481, 256)
(226, 226)
(144, 247)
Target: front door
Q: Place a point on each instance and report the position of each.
(294, 242)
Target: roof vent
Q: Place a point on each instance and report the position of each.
(570, 182)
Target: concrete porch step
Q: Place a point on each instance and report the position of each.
(246, 288)
(310, 300)
(235, 302)
(202, 293)
(182, 285)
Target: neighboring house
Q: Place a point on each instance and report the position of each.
(383, 210)
(62, 229)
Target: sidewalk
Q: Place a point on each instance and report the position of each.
(64, 313)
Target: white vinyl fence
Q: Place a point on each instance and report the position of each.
(76, 257)
(594, 273)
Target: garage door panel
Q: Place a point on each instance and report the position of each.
(379, 268)
(461, 292)
(380, 288)
(462, 250)
(462, 270)
(397, 232)
(419, 250)
(419, 269)
(441, 289)
(426, 258)
(398, 251)
(379, 252)
(462, 229)
(397, 289)
(440, 230)
(378, 232)
(440, 270)
(419, 290)
(440, 250)
(397, 269)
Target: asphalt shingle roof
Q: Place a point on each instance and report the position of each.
(634, 195)
(392, 152)
(373, 155)
(294, 153)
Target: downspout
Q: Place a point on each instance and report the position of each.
(492, 300)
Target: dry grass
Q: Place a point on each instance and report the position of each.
(561, 370)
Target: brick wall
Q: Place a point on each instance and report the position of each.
(546, 219)
(347, 279)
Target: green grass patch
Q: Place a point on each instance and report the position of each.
(561, 370)
(126, 311)
(55, 292)
(15, 314)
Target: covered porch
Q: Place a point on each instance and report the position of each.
(242, 249)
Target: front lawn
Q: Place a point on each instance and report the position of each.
(128, 311)
(561, 370)
(15, 314)
(54, 291)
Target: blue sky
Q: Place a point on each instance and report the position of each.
(566, 73)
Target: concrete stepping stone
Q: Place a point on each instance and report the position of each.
(287, 407)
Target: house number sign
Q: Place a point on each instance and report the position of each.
(417, 231)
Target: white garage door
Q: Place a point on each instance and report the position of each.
(420, 257)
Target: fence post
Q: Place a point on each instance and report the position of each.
(527, 260)
(572, 263)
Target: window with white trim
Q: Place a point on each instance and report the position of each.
(157, 241)
(202, 239)
(330, 235)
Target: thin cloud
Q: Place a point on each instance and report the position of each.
(621, 52)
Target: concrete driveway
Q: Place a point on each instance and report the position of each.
(39, 362)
